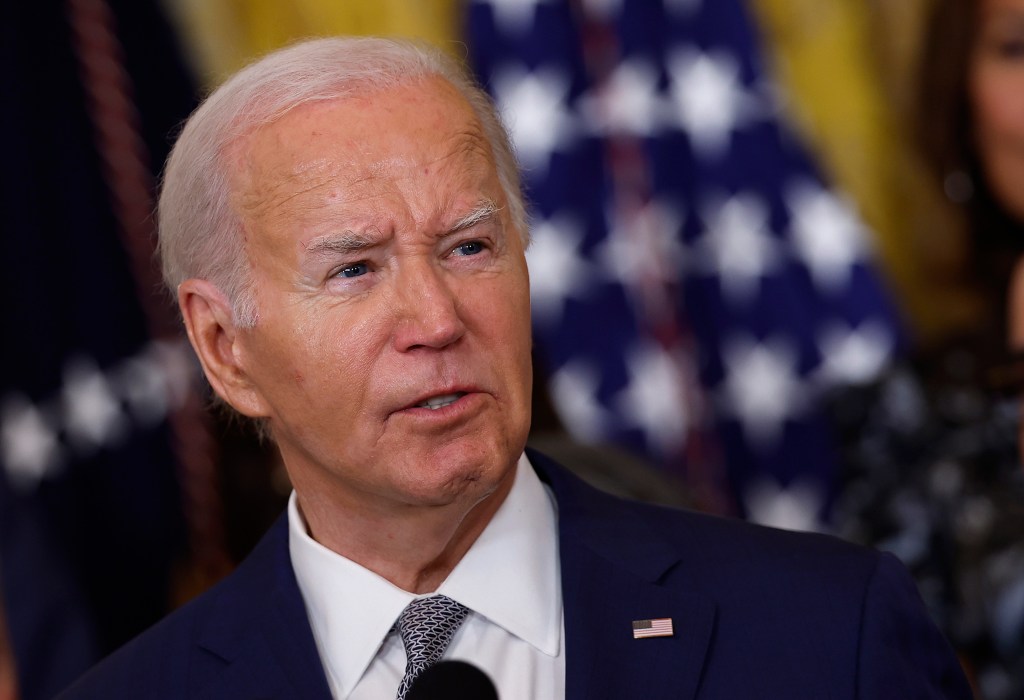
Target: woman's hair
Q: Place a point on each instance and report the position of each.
(200, 234)
(945, 126)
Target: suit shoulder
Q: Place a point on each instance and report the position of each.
(144, 667)
(721, 550)
(167, 658)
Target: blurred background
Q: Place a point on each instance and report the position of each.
(771, 257)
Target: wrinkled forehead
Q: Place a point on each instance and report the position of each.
(353, 140)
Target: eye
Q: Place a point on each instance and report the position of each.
(356, 270)
(470, 248)
(1012, 49)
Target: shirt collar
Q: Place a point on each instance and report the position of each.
(350, 608)
(510, 575)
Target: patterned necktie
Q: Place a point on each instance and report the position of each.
(427, 625)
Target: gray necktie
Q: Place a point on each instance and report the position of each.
(427, 625)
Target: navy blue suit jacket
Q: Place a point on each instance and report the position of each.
(758, 613)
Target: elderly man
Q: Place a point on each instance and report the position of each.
(343, 225)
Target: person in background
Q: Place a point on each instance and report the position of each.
(343, 226)
(933, 461)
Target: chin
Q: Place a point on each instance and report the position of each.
(458, 473)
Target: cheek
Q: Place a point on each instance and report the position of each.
(505, 314)
(997, 95)
(317, 362)
(505, 305)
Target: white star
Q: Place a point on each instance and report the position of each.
(645, 247)
(710, 101)
(30, 449)
(795, 507)
(534, 106)
(826, 234)
(141, 381)
(513, 16)
(854, 355)
(738, 245)
(557, 271)
(762, 388)
(654, 400)
(574, 393)
(93, 414)
(627, 103)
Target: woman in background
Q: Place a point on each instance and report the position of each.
(971, 122)
(932, 452)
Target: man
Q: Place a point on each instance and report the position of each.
(343, 225)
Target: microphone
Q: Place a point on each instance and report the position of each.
(452, 680)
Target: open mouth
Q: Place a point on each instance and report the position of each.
(436, 402)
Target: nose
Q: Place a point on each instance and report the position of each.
(428, 310)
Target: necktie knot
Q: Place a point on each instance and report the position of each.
(427, 626)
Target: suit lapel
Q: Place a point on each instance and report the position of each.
(613, 572)
(260, 632)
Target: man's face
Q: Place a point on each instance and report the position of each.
(392, 351)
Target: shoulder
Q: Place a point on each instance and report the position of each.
(755, 567)
(711, 551)
(842, 613)
(146, 666)
(176, 654)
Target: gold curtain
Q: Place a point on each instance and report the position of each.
(223, 35)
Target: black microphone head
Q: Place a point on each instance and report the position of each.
(452, 680)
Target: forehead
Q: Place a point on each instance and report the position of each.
(357, 148)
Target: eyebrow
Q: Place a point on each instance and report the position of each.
(349, 242)
(344, 243)
(484, 210)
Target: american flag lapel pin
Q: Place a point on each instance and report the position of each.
(658, 627)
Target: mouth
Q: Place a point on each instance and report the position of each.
(436, 402)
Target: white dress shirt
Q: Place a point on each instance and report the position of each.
(509, 579)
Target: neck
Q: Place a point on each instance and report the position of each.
(415, 547)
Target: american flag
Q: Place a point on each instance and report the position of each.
(658, 627)
(696, 286)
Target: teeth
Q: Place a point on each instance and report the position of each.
(436, 402)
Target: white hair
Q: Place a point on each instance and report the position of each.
(200, 234)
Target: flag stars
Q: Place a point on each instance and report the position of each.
(143, 386)
(854, 355)
(826, 233)
(653, 400)
(794, 507)
(709, 100)
(29, 444)
(534, 105)
(89, 410)
(557, 271)
(628, 102)
(513, 16)
(93, 415)
(738, 246)
(574, 392)
(762, 388)
(644, 248)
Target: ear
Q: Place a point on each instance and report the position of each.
(211, 330)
